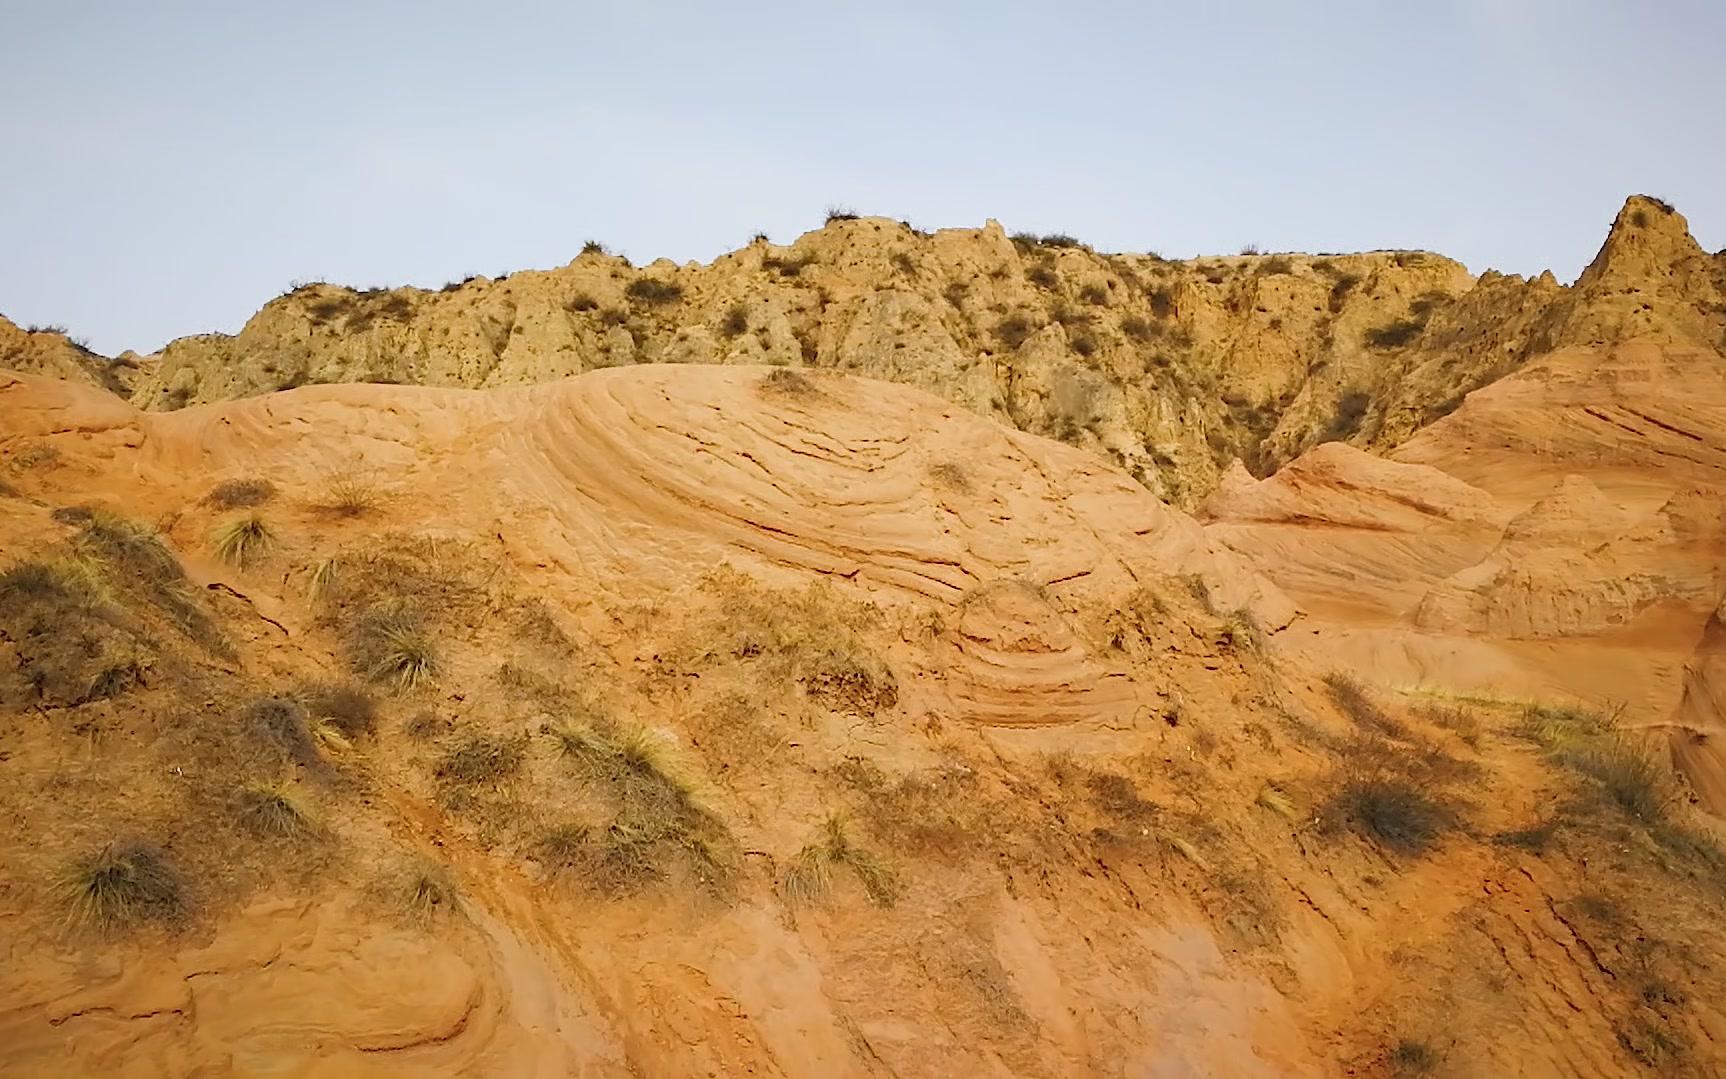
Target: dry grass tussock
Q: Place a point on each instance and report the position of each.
(809, 879)
(347, 496)
(482, 759)
(1592, 745)
(392, 647)
(137, 565)
(240, 494)
(274, 808)
(243, 540)
(427, 891)
(73, 644)
(813, 637)
(122, 884)
(788, 382)
(659, 813)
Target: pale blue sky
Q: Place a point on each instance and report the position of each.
(166, 168)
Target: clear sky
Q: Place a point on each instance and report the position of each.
(167, 167)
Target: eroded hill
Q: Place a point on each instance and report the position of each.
(1170, 368)
(727, 719)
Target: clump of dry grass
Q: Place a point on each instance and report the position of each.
(429, 892)
(1390, 810)
(1351, 696)
(321, 577)
(810, 876)
(240, 494)
(274, 809)
(396, 649)
(348, 496)
(282, 722)
(951, 475)
(660, 809)
(481, 758)
(1276, 801)
(69, 581)
(123, 883)
(243, 539)
(72, 646)
(788, 383)
(1457, 718)
(345, 706)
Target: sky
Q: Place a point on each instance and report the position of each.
(167, 168)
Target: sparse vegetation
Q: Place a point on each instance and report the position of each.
(348, 496)
(810, 877)
(240, 494)
(1395, 334)
(122, 884)
(243, 539)
(347, 707)
(1276, 265)
(950, 475)
(659, 811)
(481, 758)
(1411, 1057)
(1351, 696)
(1276, 801)
(840, 213)
(1042, 276)
(274, 809)
(1392, 811)
(788, 265)
(1013, 330)
(653, 292)
(736, 320)
(394, 648)
(789, 382)
(1340, 288)
(1351, 409)
(429, 892)
(593, 247)
(282, 722)
(581, 302)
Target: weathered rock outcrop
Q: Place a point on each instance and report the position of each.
(50, 352)
(1171, 368)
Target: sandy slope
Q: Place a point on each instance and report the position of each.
(1562, 533)
(1023, 679)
